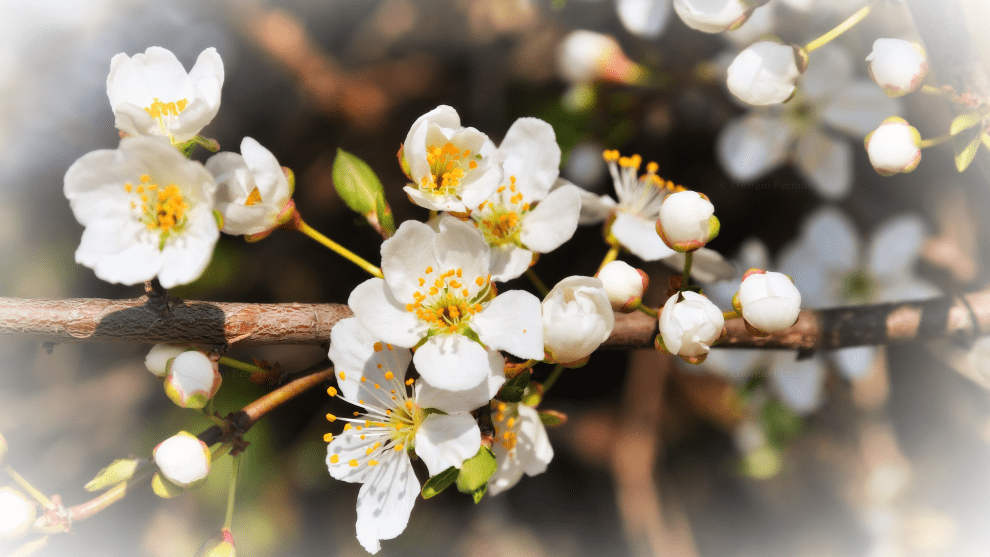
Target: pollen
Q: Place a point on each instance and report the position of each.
(378, 347)
(331, 418)
(446, 169)
(327, 437)
(389, 375)
(331, 391)
(341, 376)
(410, 381)
(163, 209)
(334, 459)
(353, 463)
(254, 198)
(372, 463)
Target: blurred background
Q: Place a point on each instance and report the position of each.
(875, 452)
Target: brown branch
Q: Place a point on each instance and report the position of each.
(82, 320)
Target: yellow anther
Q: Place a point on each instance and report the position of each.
(145, 178)
(422, 281)
(429, 270)
(652, 168)
(398, 447)
(364, 379)
(331, 418)
(611, 155)
(347, 426)
(253, 198)
(378, 347)
(331, 391)
(353, 463)
(327, 437)
(372, 463)
(334, 459)
(389, 346)
(389, 375)
(511, 422)
(464, 292)
(479, 281)
(377, 386)
(410, 381)
(128, 187)
(341, 375)
(409, 405)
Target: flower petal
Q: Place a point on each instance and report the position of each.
(185, 259)
(115, 254)
(827, 162)
(595, 208)
(639, 236)
(532, 156)
(553, 221)
(834, 237)
(383, 316)
(855, 362)
(460, 245)
(452, 362)
(357, 353)
(752, 146)
(895, 245)
(798, 383)
(385, 501)
(512, 322)
(405, 258)
(860, 108)
(447, 440)
(509, 261)
(450, 402)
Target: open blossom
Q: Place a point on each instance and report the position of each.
(624, 285)
(765, 73)
(148, 211)
(445, 164)
(151, 93)
(183, 459)
(373, 447)
(191, 379)
(689, 324)
(521, 445)
(577, 318)
(897, 65)
(894, 147)
(687, 221)
(523, 217)
(437, 288)
(714, 16)
(633, 219)
(253, 192)
(769, 301)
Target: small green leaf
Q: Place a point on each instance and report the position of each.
(163, 487)
(966, 145)
(119, 470)
(514, 389)
(552, 418)
(384, 214)
(356, 183)
(476, 470)
(479, 493)
(440, 482)
(964, 122)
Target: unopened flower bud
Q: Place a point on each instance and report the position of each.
(689, 324)
(220, 545)
(577, 318)
(769, 301)
(17, 514)
(765, 73)
(157, 359)
(586, 56)
(624, 285)
(897, 65)
(253, 189)
(192, 379)
(894, 147)
(687, 221)
(183, 459)
(715, 16)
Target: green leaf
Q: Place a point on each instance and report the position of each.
(479, 493)
(163, 487)
(552, 418)
(384, 214)
(476, 470)
(966, 145)
(964, 122)
(440, 482)
(356, 183)
(119, 470)
(514, 388)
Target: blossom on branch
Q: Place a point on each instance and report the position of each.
(577, 318)
(151, 93)
(148, 211)
(253, 192)
(689, 324)
(521, 445)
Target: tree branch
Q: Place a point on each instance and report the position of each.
(87, 320)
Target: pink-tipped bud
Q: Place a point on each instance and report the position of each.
(769, 301)
(897, 65)
(183, 459)
(624, 285)
(894, 147)
(192, 379)
(687, 221)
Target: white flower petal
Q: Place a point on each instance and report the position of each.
(827, 162)
(356, 352)
(639, 236)
(860, 108)
(645, 18)
(380, 313)
(429, 396)
(405, 258)
(385, 501)
(509, 261)
(461, 246)
(511, 322)
(707, 265)
(111, 250)
(447, 440)
(798, 383)
(854, 362)
(531, 454)
(834, 237)
(553, 221)
(532, 156)
(895, 246)
(452, 362)
(752, 146)
(186, 257)
(595, 208)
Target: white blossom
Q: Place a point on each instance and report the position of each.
(521, 445)
(444, 162)
(577, 318)
(763, 74)
(897, 65)
(17, 514)
(191, 379)
(151, 93)
(769, 301)
(689, 324)
(713, 16)
(437, 287)
(253, 192)
(148, 211)
(894, 147)
(183, 459)
(687, 221)
(624, 285)
(585, 56)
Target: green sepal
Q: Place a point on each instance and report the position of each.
(552, 418)
(479, 493)
(218, 216)
(384, 215)
(356, 183)
(163, 487)
(476, 470)
(965, 146)
(964, 122)
(440, 482)
(118, 471)
(514, 388)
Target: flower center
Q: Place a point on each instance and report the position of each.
(161, 111)
(858, 286)
(500, 221)
(638, 195)
(505, 422)
(448, 302)
(447, 168)
(162, 209)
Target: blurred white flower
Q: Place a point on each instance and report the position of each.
(765, 73)
(17, 514)
(521, 445)
(585, 56)
(624, 284)
(183, 459)
(828, 99)
(252, 191)
(644, 18)
(577, 318)
(714, 16)
(898, 66)
(894, 147)
(151, 93)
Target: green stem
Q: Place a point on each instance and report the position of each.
(925, 143)
(613, 252)
(838, 30)
(239, 365)
(554, 375)
(339, 249)
(730, 315)
(686, 275)
(647, 310)
(540, 287)
(937, 91)
(231, 491)
(26, 486)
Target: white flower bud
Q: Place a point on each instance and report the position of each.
(17, 514)
(894, 147)
(769, 302)
(764, 73)
(624, 285)
(157, 359)
(687, 221)
(192, 379)
(689, 326)
(586, 56)
(254, 192)
(713, 16)
(897, 65)
(577, 318)
(220, 545)
(183, 459)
